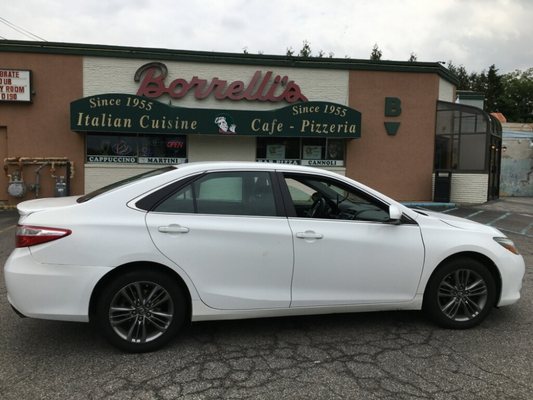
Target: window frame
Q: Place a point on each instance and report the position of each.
(153, 200)
(291, 210)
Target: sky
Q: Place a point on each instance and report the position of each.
(472, 33)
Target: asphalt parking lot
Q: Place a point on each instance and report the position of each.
(388, 355)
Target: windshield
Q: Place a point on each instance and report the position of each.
(123, 182)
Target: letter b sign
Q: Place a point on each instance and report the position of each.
(393, 106)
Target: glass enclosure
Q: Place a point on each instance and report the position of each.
(468, 140)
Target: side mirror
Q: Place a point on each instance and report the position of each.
(395, 214)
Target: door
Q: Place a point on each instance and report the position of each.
(225, 231)
(345, 250)
(494, 167)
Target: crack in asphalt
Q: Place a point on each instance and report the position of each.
(401, 363)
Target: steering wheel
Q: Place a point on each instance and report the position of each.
(319, 206)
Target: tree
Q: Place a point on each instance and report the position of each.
(413, 57)
(511, 94)
(494, 90)
(376, 53)
(306, 49)
(290, 52)
(461, 74)
(516, 100)
(478, 82)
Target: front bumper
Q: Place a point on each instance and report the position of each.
(50, 291)
(512, 274)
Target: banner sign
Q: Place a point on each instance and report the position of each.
(125, 113)
(112, 159)
(314, 163)
(15, 85)
(134, 160)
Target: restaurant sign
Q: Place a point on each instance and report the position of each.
(15, 85)
(125, 113)
(261, 87)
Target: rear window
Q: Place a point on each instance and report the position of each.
(123, 182)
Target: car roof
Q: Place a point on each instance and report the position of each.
(250, 165)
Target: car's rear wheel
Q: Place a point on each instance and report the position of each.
(460, 294)
(141, 310)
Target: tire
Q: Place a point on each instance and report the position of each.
(460, 294)
(141, 310)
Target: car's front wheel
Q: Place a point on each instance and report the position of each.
(141, 310)
(460, 294)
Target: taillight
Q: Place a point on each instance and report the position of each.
(32, 235)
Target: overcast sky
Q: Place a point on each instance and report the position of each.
(474, 33)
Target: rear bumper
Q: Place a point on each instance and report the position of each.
(50, 291)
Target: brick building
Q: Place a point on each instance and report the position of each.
(88, 115)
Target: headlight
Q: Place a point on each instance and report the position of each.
(507, 243)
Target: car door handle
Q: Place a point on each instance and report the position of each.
(309, 235)
(173, 229)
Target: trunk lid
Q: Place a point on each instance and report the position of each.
(32, 206)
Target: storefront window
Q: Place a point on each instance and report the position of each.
(313, 149)
(317, 152)
(278, 149)
(335, 149)
(136, 149)
(461, 138)
(169, 149)
(112, 149)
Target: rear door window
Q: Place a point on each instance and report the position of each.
(225, 193)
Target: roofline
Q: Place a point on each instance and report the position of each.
(470, 95)
(97, 50)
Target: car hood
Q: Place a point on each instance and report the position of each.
(460, 223)
(31, 206)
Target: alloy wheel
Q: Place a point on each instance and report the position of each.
(141, 312)
(462, 295)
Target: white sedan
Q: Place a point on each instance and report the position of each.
(207, 241)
